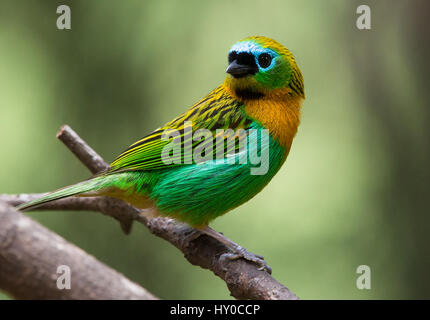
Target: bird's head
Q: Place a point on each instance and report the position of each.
(259, 66)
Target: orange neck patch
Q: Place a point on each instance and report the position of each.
(278, 111)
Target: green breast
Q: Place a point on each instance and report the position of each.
(199, 193)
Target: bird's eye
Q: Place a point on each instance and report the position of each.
(232, 56)
(264, 60)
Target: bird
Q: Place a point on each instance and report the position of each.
(259, 102)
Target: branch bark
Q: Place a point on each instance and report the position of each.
(243, 278)
(30, 255)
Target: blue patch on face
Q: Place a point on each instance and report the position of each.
(256, 50)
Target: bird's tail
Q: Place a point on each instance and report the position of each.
(93, 184)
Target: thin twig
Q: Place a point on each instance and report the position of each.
(91, 159)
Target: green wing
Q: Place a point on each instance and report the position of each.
(218, 110)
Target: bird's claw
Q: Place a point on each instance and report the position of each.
(255, 258)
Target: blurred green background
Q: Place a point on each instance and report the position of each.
(354, 189)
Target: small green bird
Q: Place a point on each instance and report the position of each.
(262, 92)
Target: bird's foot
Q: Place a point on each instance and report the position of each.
(237, 251)
(255, 258)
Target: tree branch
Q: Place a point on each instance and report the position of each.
(30, 255)
(82, 150)
(243, 278)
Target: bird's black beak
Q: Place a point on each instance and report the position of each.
(242, 66)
